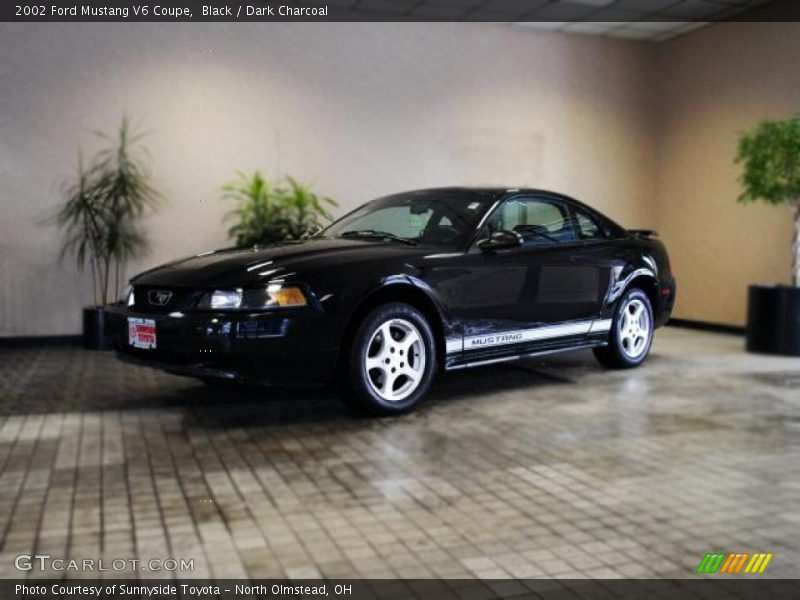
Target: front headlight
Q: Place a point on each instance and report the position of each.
(225, 299)
(272, 296)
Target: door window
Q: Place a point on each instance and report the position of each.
(538, 221)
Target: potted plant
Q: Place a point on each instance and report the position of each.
(100, 220)
(273, 211)
(770, 154)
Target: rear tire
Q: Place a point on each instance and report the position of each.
(631, 332)
(390, 362)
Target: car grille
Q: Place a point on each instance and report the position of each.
(162, 300)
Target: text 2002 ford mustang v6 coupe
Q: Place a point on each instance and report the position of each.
(401, 287)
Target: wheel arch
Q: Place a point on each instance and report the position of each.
(649, 285)
(401, 291)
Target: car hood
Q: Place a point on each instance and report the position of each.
(250, 266)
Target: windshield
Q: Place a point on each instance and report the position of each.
(436, 218)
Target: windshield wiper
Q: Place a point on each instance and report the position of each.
(374, 233)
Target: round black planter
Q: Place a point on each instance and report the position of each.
(94, 329)
(773, 319)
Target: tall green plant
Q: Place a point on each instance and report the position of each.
(102, 208)
(770, 154)
(273, 211)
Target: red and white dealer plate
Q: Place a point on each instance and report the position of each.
(142, 333)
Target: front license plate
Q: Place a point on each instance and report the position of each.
(141, 333)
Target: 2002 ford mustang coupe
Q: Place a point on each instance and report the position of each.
(402, 287)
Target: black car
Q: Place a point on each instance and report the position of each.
(400, 288)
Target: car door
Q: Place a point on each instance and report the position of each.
(531, 297)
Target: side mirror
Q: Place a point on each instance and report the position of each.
(501, 240)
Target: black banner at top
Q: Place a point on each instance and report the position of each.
(173, 11)
(542, 11)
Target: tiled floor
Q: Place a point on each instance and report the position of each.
(549, 468)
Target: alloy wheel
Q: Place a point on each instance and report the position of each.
(635, 328)
(395, 360)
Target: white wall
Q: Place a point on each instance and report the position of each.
(360, 110)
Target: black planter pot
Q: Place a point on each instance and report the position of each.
(94, 329)
(773, 320)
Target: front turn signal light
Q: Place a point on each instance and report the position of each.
(286, 296)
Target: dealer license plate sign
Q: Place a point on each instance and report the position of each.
(142, 333)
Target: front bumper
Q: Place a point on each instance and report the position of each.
(282, 348)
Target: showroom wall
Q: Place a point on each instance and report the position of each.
(713, 85)
(359, 110)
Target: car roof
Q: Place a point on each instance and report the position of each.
(467, 192)
(485, 192)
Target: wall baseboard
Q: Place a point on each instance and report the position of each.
(27, 341)
(705, 326)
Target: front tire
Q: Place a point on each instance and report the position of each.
(391, 361)
(631, 332)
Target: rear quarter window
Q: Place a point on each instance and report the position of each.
(587, 227)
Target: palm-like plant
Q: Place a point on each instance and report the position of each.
(305, 210)
(259, 214)
(771, 157)
(82, 220)
(101, 212)
(270, 212)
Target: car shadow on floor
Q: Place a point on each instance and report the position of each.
(58, 380)
(238, 406)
